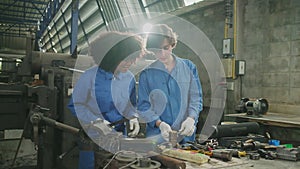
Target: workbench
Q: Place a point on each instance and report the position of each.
(272, 119)
(216, 163)
(245, 163)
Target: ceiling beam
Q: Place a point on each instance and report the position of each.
(33, 1)
(19, 16)
(17, 6)
(14, 20)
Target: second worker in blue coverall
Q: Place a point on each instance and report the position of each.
(169, 93)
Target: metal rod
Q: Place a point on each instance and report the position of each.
(61, 126)
(71, 69)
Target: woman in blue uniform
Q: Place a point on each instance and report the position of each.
(106, 92)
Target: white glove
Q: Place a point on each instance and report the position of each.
(165, 129)
(106, 122)
(134, 126)
(102, 126)
(187, 127)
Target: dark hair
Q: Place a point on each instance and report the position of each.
(158, 33)
(110, 48)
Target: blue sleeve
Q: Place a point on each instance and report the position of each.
(78, 104)
(133, 93)
(144, 106)
(133, 99)
(195, 93)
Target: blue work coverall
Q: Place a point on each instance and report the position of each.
(181, 89)
(100, 94)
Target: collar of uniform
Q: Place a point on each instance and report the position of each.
(107, 75)
(121, 75)
(160, 65)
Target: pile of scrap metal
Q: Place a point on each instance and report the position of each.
(228, 134)
(242, 140)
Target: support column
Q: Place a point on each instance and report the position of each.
(74, 27)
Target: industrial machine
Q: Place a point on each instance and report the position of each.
(38, 80)
(256, 107)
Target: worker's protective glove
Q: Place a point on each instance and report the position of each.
(106, 122)
(134, 127)
(102, 126)
(187, 127)
(165, 129)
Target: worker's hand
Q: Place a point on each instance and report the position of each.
(134, 127)
(102, 126)
(187, 127)
(165, 130)
(106, 122)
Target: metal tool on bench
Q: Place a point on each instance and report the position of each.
(131, 159)
(251, 145)
(223, 154)
(292, 154)
(253, 156)
(107, 128)
(267, 154)
(233, 130)
(168, 162)
(146, 163)
(229, 134)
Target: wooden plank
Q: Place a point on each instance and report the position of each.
(216, 163)
(186, 155)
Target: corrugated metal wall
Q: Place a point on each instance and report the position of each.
(94, 16)
(12, 44)
(160, 6)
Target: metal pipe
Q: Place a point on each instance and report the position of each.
(61, 126)
(225, 155)
(71, 69)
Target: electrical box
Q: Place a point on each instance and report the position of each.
(240, 67)
(227, 47)
(227, 65)
(230, 85)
